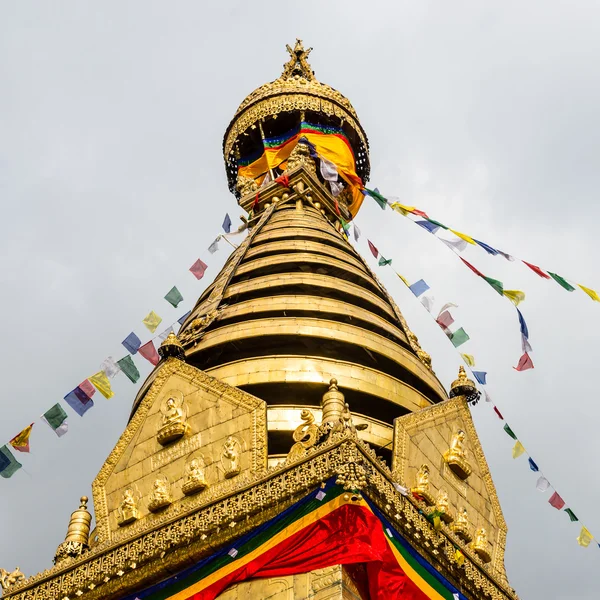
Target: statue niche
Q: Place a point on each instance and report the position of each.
(421, 489)
(456, 457)
(128, 511)
(194, 476)
(174, 420)
(230, 457)
(161, 494)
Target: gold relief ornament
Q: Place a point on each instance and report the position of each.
(246, 185)
(230, 457)
(300, 156)
(161, 494)
(481, 546)
(196, 328)
(174, 419)
(128, 511)
(421, 489)
(195, 477)
(423, 356)
(442, 507)
(7, 579)
(456, 456)
(461, 525)
(305, 435)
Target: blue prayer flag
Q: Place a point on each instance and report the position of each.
(182, 319)
(487, 248)
(533, 466)
(431, 227)
(132, 343)
(81, 395)
(73, 399)
(418, 288)
(4, 461)
(480, 376)
(523, 325)
(227, 223)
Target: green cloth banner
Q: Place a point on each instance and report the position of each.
(174, 297)
(459, 337)
(571, 514)
(510, 431)
(55, 416)
(128, 367)
(497, 285)
(384, 261)
(562, 282)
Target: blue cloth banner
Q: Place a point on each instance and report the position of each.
(523, 325)
(132, 343)
(431, 227)
(418, 288)
(182, 319)
(80, 407)
(227, 224)
(480, 376)
(487, 248)
(533, 466)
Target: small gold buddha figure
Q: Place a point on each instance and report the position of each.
(195, 480)
(461, 525)
(230, 457)
(456, 457)
(174, 420)
(442, 507)
(300, 156)
(127, 511)
(161, 495)
(481, 546)
(421, 489)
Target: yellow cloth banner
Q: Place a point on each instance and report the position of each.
(102, 384)
(591, 293)
(459, 558)
(463, 236)
(21, 440)
(404, 280)
(152, 321)
(585, 537)
(515, 296)
(400, 208)
(517, 450)
(469, 359)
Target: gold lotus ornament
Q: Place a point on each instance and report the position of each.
(195, 478)
(456, 457)
(421, 489)
(161, 494)
(174, 419)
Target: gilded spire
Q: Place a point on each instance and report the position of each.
(171, 347)
(462, 386)
(78, 534)
(298, 63)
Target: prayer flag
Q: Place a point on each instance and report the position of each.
(21, 441)
(336, 188)
(459, 559)
(591, 293)
(498, 413)
(266, 181)
(148, 351)
(400, 489)
(377, 197)
(384, 261)
(518, 449)
(373, 250)
(182, 319)
(56, 419)
(132, 343)
(523, 325)
(152, 321)
(532, 465)
(497, 285)
(510, 432)
(537, 270)
(85, 390)
(102, 384)
(328, 170)
(585, 537)
(469, 359)
(356, 232)
(462, 236)
(562, 282)
(525, 345)
(506, 256)
(420, 213)
(571, 515)
(226, 223)
(427, 301)
(403, 279)
(418, 288)
(473, 268)
(400, 208)
(174, 296)
(427, 225)
(455, 245)
(488, 398)
(165, 334)
(445, 319)
(79, 401)
(515, 296)
(434, 222)
(542, 484)
(480, 376)
(525, 363)
(487, 248)
(215, 245)
(128, 367)
(447, 306)
(9, 465)
(109, 366)
(284, 180)
(556, 501)
(459, 337)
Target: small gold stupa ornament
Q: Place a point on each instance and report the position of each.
(463, 386)
(78, 534)
(421, 489)
(174, 420)
(456, 457)
(171, 347)
(230, 457)
(442, 507)
(195, 478)
(481, 545)
(461, 525)
(161, 495)
(128, 510)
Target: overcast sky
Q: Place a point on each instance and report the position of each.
(112, 184)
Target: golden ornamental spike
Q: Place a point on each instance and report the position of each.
(171, 347)
(462, 386)
(78, 534)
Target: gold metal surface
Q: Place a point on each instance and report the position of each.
(78, 534)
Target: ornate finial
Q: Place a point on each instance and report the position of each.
(462, 386)
(333, 404)
(78, 534)
(298, 63)
(171, 347)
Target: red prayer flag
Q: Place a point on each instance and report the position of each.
(416, 211)
(198, 269)
(87, 388)
(283, 180)
(337, 208)
(255, 203)
(445, 320)
(556, 501)
(373, 250)
(148, 351)
(525, 363)
(472, 267)
(537, 270)
(498, 412)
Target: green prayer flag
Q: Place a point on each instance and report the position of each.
(174, 297)
(437, 223)
(9, 465)
(377, 197)
(510, 431)
(497, 285)
(384, 261)
(571, 514)
(459, 337)
(55, 416)
(562, 282)
(128, 367)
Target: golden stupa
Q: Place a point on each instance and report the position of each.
(294, 440)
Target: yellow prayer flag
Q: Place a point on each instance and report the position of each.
(518, 449)
(102, 384)
(404, 280)
(515, 296)
(400, 208)
(21, 441)
(591, 293)
(469, 359)
(585, 537)
(459, 558)
(463, 236)
(152, 321)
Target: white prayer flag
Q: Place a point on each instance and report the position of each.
(446, 307)
(165, 334)
(525, 344)
(356, 232)
(427, 301)
(110, 367)
(336, 188)
(266, 180)
(542, 484)
(215, 245)
(456, 245)
(488, 398)
(401, 489)
(328, 170)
